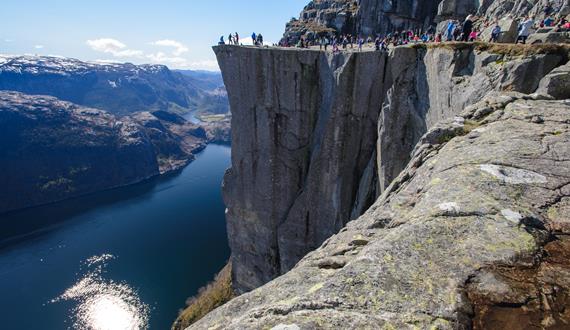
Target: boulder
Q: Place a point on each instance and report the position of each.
(556, 83)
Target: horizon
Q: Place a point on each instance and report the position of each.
(92, 33)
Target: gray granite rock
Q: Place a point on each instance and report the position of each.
(480, 192)
(304, 157)
(296, 161)
(556, 83)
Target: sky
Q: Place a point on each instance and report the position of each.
(175, 33)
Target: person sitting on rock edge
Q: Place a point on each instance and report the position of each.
(495, 33)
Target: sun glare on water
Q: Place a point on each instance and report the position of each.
(104, 304)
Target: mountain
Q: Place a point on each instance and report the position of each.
(54, 150)
(117, 88)
(214, 99)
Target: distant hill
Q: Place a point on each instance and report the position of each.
(118, 88)
(215, 98)
(53, 150)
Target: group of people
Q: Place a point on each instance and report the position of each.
(233, 39)
(466, 31)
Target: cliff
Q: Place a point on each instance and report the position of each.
(53, 150)
(317, 137)
(304, 128)
(472, 234)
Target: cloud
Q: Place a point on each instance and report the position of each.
(179, 48)
(113, 47)
(39, 46)
(209, 65)
(163, 58)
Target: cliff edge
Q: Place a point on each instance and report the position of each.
(472, 234)
(456, 174)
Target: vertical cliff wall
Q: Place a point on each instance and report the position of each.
(304, 135)
(430, 84)
(316, 136)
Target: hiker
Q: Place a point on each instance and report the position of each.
(230, 39)
(450, 29)
(254, 38)
(221, 42)
(236, 39)
(467, 28)
(473, 36)
(344, 42)
(377, 43)
(456, 32)
(524, 30)
(260, 39)
(360, 43)
(495, 33)
(548, 21)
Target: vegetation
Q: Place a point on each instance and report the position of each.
(210, 297)
(502, 49)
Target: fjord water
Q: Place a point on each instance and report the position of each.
(124, 258)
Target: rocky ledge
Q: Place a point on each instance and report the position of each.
(471, 234)
(53, 150)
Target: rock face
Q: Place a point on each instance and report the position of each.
(472, 234)
(316, 137)
(53, 150)
(432, 84)
(383, 16)
(373, 17)
(296, 166)
(117, 88)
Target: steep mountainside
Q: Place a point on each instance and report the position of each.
(53, 150)
(317, 137)
(117, 88)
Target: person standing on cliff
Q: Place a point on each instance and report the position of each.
(524, 30)
(254, 38)
(467, 28)
(450, 29)
(236, 39)
(360, 43)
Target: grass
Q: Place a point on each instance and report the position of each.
(502, 49)
(210, 297)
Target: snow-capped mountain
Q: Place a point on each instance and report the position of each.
(119, 88)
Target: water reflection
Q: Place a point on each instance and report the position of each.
(104, 304)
